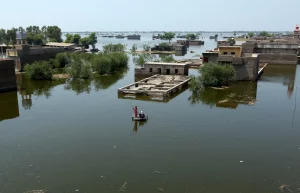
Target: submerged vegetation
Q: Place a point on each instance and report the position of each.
(214, 75)
(39, 71)
(80, 65)
(109, 48)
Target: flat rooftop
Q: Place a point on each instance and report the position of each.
(59, 44)
(229, 47)
(167, 64)
(157, 85)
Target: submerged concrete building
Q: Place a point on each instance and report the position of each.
(278, 51)
(152, 68)
(7, 75)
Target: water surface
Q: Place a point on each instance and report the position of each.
(66, 136)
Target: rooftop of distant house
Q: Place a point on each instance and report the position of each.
(59, 44)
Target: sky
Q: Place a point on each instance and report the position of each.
(153, 15)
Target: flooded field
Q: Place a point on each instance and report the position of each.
(66, 136)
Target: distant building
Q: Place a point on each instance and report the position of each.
(152, 68)
(21, 38)
(297, 32)
(134, 37)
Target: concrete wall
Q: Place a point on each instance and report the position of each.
(248, 69)
(223, 43)
(27, 55)
(210, 57)
(230, 49)
(152, 69)
(278, 58)
(7, 76)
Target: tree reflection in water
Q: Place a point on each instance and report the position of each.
(229, 97)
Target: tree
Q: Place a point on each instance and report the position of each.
(84, 42)
(251, 34)
(168, 36)
(54, 33)
(68, 38)
(190, 36)
(92, 39)
(11, 36)
(266, 34)
(231, 41)
(2, 35)
(76, 39)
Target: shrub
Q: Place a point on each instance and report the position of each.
(61, 60)
(133, 48)
(102, 65)
(146, 47)
(113, 48)
(217, 74)
(79, 68)
(39, 70)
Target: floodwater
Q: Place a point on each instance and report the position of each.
(78, 137)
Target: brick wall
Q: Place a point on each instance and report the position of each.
(7, 76)
(248, 69)
(278, 58)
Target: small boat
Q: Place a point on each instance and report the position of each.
(139, 118)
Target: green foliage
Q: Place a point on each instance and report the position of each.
(216, 35)
(231, 41)
(190, 36)
(76, 39)
(143, 58)
(133, 48)
(70, 38)
(79, 68)
(109, 63)
(166, 58)
(164, 46)
(61, 60)
(2, 35)
(215, 75)
(92, 39)
(168, 36)
(146, 47)
(102, 65)
(54, 34)
(113, 48)
(8, 37)
(251, 34)
(39, 70)
(85, 42)
(266, 34)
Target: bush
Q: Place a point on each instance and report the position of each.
(113, 48)
(79, 68)
(216, 74)
(61, 60)
(102, 65)
(39, 70)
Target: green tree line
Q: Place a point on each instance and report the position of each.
(35, 35)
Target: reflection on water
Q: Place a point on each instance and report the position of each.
(238, 93)
(9, 108)
(283, 74)
(138, 124)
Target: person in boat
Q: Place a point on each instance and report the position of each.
(142, 115)
(135, 111)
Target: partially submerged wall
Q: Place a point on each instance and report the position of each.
(7, 76)
(278, 58)
(246, 68)
(163, 68)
